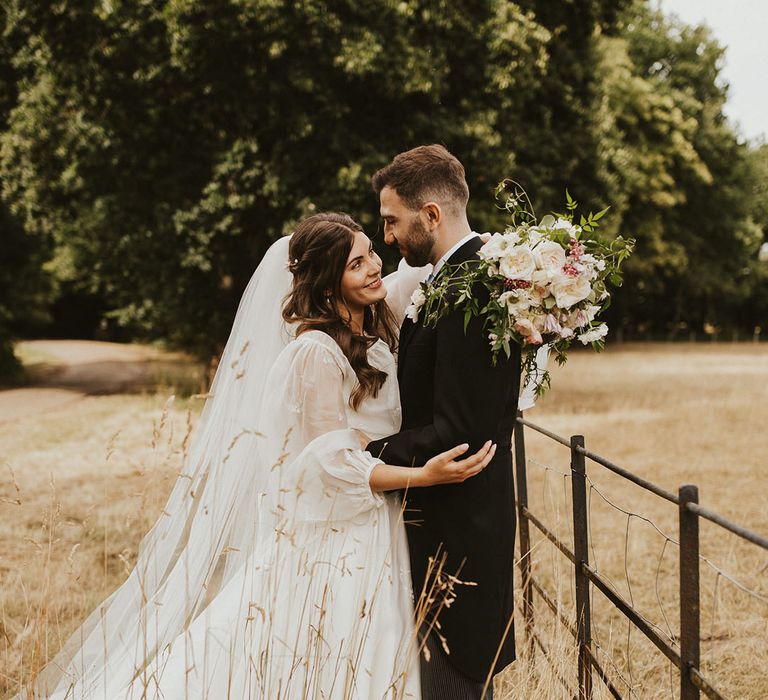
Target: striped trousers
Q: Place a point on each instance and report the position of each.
(440, 680)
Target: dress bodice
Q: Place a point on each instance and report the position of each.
(376, 416)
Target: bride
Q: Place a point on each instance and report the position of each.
(279, 566)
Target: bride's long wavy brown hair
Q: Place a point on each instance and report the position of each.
(318, 251)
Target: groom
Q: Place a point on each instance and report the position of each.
(451, 392)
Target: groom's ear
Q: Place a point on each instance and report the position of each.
(432, 214)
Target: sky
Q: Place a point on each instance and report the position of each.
(741, 26)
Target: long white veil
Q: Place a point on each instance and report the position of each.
(211, 517)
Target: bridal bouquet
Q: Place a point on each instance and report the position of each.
(547, 282)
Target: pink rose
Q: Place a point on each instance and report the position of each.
(528, 331)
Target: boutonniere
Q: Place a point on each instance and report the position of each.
(418, 298)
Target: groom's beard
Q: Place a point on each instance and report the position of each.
(417, 248)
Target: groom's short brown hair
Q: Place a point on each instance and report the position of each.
(422, 174)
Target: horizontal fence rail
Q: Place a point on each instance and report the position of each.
(634, 478)
(728, 525)
(685, 656)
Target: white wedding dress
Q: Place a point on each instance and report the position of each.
(322, 606)
(273, 571)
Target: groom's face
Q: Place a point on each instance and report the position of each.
(405, 229)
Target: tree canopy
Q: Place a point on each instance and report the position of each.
(150, 152)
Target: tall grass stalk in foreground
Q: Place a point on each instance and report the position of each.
(303, 556)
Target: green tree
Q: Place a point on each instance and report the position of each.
(753, 312)
(678, 176)
(164, 147)
(150, 152)
(559, 144)
(25, 287)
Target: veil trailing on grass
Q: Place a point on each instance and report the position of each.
(210, 520)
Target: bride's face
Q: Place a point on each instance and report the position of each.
(361, 283)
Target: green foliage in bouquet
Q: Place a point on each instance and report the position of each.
(540, 282)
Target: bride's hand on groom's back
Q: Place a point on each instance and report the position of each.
(448, 468)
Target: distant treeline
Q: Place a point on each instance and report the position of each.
(151, 151)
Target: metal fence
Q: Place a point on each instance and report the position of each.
(687, 658)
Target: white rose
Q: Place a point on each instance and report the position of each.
(517, 302)
(594, 334)
(518, 263)
(494, 248)
(541, 278)
(498, 245)
(549, 255)
(570, 290)
(417, 301)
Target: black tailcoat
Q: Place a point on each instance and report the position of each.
(451, 392)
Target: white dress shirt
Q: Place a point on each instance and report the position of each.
(439, 264)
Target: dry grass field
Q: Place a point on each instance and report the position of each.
(673, 414)
(80, 485)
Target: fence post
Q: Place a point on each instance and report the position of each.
(525, 536)
(689, 592)
(581, 555)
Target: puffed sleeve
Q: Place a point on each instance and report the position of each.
(332, 472)
(314, 388)
(401, 284)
